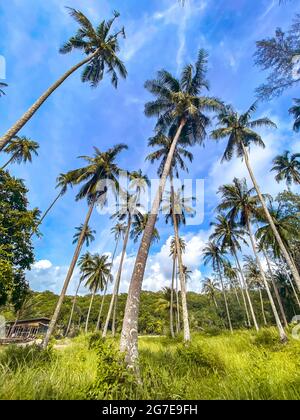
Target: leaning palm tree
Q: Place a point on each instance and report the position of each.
(240, 132)
(253, 277)
(230, 236)
(100, 48)
(21, 150)
(83, 262)
(118, 231)
(213, 254)
(295, 111)
(242, 205)
(96, 273)
(287, 167)
(178, 105)
(63, 182)
(100, 168)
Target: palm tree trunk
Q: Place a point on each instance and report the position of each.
(113, 301)
(244, 299)
(283, 249)
(68, 277)
(282, 334)
(225, 299)
(45, 214)
(278, 298)
(104, 294)
(129, 336)
(185, 314)
(89, 312)
(33, 109)
(172, 300)
(246, 290)
(72, 310)
(262, 307)
(293, 288)
(8, 162)
(178, 324)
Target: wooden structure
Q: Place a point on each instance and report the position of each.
(26, 330)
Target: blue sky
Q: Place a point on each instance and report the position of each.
(160, 34)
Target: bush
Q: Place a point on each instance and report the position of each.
(266, 337)
(15, 357)
(114, 380)
(200, 357)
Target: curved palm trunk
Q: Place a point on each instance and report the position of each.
(68, 278)
(262, 307)
(33, 109)
(283, 249)
(282, 334)
(8, 162)
(113, 301)
(172, 300)
(246, 290)
(72, 310)
(46, 213)
(185, 315)
(225, 299)
(105, 290)
(278, 298)
(293, 288)
(244, 283)
(129, 336)
(89, 312)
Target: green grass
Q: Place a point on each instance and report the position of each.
(239, 366)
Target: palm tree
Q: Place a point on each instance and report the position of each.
(118, 231)
(139, 223)
(83, 262)
(179, 106)
(63, 182)
(100, 48)
(89, 235)
(243, 206)
(231, 274)
(287, 167)
(254, 279)
(239, 130)
(211, 287)
(173, 253)
(100, 167)
(138, 183)
(2, 85)
(295, 111)
(96, 274)
(229, 236)
(21, 150)
(213, 254)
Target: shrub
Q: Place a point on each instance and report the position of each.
(200, 357)
(266, 337)
(15, 357)
(114, 380)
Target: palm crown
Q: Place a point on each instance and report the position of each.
(182, 245)
(96, 272)
(91, 40)
(89, 235)
(177, 206)
(240, 130)
(22, 149)
(295, 111)
(227, 233)
(287, 167)
(178, 100)
(138, 226)
(214, 254)
(2, 85)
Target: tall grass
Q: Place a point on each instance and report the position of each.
(245, 365)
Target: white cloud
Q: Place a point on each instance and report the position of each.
(42, 265)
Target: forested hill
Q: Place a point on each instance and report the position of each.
(154, 313)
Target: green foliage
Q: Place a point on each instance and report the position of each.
(113, 380)
(16, 357)
(197, 355)
(266, 337)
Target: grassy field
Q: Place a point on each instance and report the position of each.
(240, 366)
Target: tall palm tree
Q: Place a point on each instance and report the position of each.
(2, 85)
(63, 182)
(178, 105)
(213, 254)
(240, 131)
(96, 273)
(101, 167)
(230, 236)
(83, 262)
(242, 205)
(138, 183)
(295, 111)
(231, 274)
(21, 150)
(287, 167)
(89, 235)
(173, 253)
(139, 223)
(210, 287)
(118, 231)
(100, 48)
(254, 279)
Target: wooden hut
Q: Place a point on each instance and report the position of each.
(27, 329)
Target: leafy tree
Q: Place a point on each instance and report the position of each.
(101, 49)
(21, 150)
